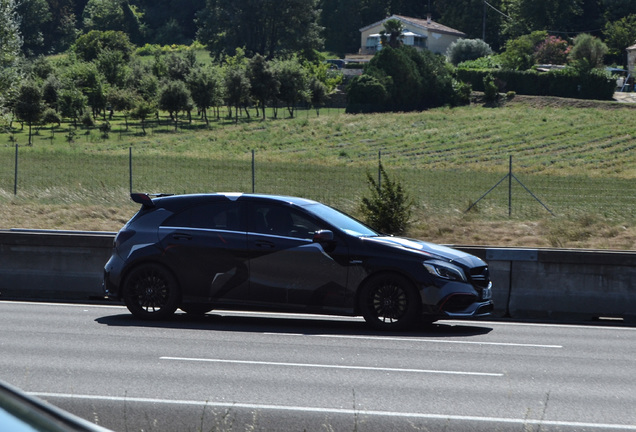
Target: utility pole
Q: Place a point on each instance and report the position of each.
(483, 27)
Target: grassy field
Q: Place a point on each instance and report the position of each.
(574, 162)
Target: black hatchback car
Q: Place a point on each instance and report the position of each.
(263, 252)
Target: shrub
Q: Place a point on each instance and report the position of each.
(467, 49)
(588, 52)
(388, 210)
(491, 92)
(553, 50)
(365, 93)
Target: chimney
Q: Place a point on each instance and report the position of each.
(428, 18)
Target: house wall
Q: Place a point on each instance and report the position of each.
(436, 42)
(631, 61)
(439, 43)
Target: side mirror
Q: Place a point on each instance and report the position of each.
(323, 236)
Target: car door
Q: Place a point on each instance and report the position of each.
(287, 267)
(205, 245)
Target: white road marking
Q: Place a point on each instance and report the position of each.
(326, 366)
(394, 414)
(507, 344)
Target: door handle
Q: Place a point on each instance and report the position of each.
(181, 236)
(264, 244)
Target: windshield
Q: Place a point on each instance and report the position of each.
(341, 220)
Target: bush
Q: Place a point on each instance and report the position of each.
(491, 92)
(413, 80)
(388, 210)
(553, 50)
(365, 94)
(569, 82)
(467, 49)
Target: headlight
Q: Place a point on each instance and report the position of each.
(444, 270)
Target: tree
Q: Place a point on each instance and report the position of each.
(467, 49)
(237, 89)
(50, 116)
(519, 52)
(267, 27)
(341, 20)
(397, 70)
(619, 35)
(29, 106)
(263, 82)
(293, 83)
(120, 100)
(142, 109)
(35, 15)
(51, 91)
(85, 77)
(366, 93)
(392, 34)
(106, 15)
(174, 97)
(10, 44)
(553, 50)
(388, 209)
(112, 65)
(533, 15)
(90, 45)
(317, 93)
(468, 16)
(72, 104)
(205, 88)
(413, 80)
(588, 52)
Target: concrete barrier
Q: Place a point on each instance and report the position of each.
(562, 284)
(546, 284)
(53, 265)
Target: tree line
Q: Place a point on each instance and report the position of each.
(275, 27)
(84, 90)
(266, 52)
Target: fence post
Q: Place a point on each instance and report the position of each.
(130, 172)
(253, 172)
(510, 187)
(379, 169)
(15, 174)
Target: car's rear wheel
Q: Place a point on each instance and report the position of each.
(150, 292)
(389, 302)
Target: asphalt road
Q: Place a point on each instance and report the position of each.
(232, 371)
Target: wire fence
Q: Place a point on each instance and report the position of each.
(91, 176)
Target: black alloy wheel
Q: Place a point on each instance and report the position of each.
(150, 292)
(389, 302)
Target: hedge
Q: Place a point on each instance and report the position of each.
(569, 82)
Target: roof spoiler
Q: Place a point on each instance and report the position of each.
(145, 199)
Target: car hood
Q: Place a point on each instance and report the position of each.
(430, 250)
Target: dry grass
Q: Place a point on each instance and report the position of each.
(578, 155)
(458, 229)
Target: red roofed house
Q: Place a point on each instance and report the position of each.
(420, 33)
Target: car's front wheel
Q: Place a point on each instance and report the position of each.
(389, 302)
(150, 292)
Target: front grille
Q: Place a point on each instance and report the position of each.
(480, 277)
(457, 302)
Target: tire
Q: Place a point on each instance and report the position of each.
(150, 292)
(196, 309)
(389, 302)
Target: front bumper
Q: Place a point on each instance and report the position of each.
(458, 300)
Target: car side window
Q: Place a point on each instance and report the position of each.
(282, 221)
(218, 215)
